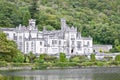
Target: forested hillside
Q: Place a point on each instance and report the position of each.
(97, 18)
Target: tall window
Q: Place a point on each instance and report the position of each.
(20, 45)
(78, 44)
(88, 43)
(15, 37)
(32, 46)
(20, 37)
(72, 37)
(73, 42)
(54, 42)
(40, 43)
(59, 42)
(27, 46)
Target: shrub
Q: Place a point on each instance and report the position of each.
(19, 58)
(87, 63)
(62, 57)
(65, 64)
(3, 63)
(41, 66)
(100, 63)
(117, 58)
(75, 59)
(20, 64)
(78, 58)
(114, 63)
(107, 58)
(92, 57)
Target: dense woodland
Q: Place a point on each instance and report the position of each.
(99, 19)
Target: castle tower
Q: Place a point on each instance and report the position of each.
(63, 24)
(32, 24)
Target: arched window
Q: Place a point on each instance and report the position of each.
(27, 46)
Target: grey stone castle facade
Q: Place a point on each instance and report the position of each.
(66, 40)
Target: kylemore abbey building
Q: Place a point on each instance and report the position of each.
(66, 40)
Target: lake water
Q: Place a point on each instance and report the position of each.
(63, 74)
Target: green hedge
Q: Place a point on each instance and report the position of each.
(20, 64)
(41, 66)
(58, 64)
(65, 64)
(100, 63)
(114, 63)
(87, 63)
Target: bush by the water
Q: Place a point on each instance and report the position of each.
(78, 58)
(41, 66)
(87, 63)
(20, 64)
(117, 58)
(92, 57)
(65, 64)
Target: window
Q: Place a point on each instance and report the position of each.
(64, 43)
(40, 43)
(54, 42)
(15, 37)
(27, 45)
(31, 43)
(20, 37)
(78, 44)
(88, 43)
(72, 42)
(20, 45)
(72, 37)
(59, 42)
(32, 46)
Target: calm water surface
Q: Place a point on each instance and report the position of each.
(64, 74)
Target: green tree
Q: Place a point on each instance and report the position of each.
(8, 48)
(26, 17)
(92, 57)
(26, 58)
(9, 14)
(75, 59)
(117, 58)
(34, 9)
(116, 42)
(41, 58)
(62, 57)
(31, 57)
(19, 58)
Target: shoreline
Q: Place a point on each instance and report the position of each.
(51, 68)
(15, 68)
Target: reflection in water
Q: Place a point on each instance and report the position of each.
(65, 74)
